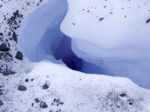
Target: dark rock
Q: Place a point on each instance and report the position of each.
(45, 86)
(57, 102)
(14, 36)
(13, 20)
(100, 19)
(22, 88)
(32, 104)
(1, 34)
(131, 101)
(19, 55)
(7, 72)
(123, 95)
(4, 47)
(43, 104)
(1, 103)
(36, 100)
(148, 20)
(1, 92)
(26, 80)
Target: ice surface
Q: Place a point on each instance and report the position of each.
(106, 37)
(39, 25)
(41, 39)
(113, 34)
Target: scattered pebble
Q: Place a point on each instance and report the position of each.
(43, 104)
(1, 103)
(22, 88)
(45, 86)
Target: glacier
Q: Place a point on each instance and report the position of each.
(47, 42)
(78, 56)
(94, 46)
(116, 36)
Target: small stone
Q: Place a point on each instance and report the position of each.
(8, 72)
(123, 95)
(19, 55)
(36, 100)
(1, 34)
(1, 103)
(26, 80)
(14, 36)
(57, 102)
(1, 92)
(45, 86)
(32, 104)
(148, 20)
(100, 19)
(4, 47)
(43, 104)
(22, 88)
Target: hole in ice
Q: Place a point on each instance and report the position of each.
(42, 39)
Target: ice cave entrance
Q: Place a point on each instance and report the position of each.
(41, 39)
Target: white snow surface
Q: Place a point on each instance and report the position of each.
(72, 91)
(114, 34)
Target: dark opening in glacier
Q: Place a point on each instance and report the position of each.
(41, 39)
(60, 49)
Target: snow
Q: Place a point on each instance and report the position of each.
(114, 31)
(75, 91)
(113, 34)
(49, 43)
(77, 49)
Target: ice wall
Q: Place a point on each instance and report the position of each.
(44, 23)
(41, 39)
(103, 37)
(114, 34)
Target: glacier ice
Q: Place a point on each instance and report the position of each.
(106, 37)
(41, 39)
(113, 34)
(38, 25)
(50, 87)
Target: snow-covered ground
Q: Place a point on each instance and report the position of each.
(53, 88)
(69, 55)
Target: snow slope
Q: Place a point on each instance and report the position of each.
(53, 88)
